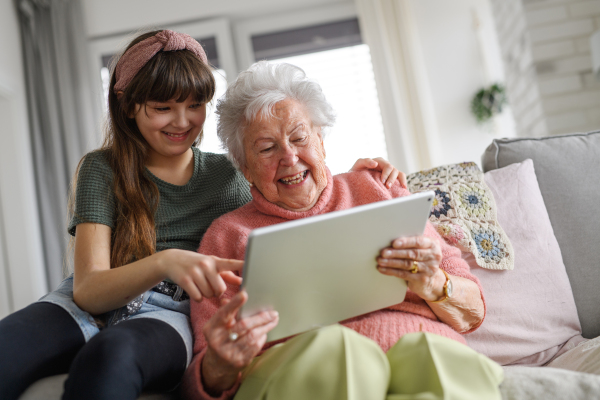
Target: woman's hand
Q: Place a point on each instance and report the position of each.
(199, 275)
(225, 357)
(389, 173)
(463, 311)
(425, 277)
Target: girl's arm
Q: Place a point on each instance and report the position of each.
(98, 288)
(389, 173)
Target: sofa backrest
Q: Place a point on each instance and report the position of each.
(568, 172)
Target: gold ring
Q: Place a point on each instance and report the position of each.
(415, 268)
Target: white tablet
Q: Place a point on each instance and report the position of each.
(321, 270)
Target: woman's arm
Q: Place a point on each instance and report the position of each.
(98, 288)
(464, 310)
(226, 358)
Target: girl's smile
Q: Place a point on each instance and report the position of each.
(177, 137)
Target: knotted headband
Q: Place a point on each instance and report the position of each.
(137, 56)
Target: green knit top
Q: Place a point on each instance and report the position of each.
(184, 213)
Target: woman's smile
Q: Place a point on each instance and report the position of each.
(299, 178)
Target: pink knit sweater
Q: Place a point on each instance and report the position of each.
(227, 237)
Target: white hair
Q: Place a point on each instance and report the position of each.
(256, 91)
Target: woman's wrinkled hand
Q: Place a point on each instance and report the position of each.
(225, 357)
(425, 277)
(389, 173)
(199, 275)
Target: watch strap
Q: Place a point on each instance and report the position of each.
(445, 295)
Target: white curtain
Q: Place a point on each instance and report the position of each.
(388, 27)
(62, 112)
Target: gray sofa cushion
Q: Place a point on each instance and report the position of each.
(51, 388)
(568, 172)
(522, 383)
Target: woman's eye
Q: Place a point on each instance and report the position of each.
(266, 150)
(300, 139)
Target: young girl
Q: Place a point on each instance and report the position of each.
(120, 323)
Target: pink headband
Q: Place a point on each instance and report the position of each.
(137, 56)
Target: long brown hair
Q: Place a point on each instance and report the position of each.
(168, 75)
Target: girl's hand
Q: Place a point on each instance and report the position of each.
(224, 357)
(389, 173)
(199, 275)
(427, 280)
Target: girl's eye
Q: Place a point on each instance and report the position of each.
(161, 108)
(195, 106)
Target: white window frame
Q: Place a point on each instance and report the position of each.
(245, 29)
(219, 29)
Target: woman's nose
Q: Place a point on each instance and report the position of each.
(289, 157)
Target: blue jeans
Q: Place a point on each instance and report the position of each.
(155, 305)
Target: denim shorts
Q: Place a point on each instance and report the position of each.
(155, 305)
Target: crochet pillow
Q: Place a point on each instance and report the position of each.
(531, 315)
(464, 213)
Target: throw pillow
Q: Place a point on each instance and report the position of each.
(464, 212)
(531, 314)
(568, 176)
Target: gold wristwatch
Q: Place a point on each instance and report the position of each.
(447, 289)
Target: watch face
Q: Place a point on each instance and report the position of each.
(449, 288)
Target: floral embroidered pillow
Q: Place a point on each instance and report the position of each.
(464, 212)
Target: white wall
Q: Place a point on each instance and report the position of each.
(521, 77)
(21, 263)
(117, 16)
(459, 61)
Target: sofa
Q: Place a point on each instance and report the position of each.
(567, 173)
(544, 190)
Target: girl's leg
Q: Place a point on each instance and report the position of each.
(38, 341)
(124, 359)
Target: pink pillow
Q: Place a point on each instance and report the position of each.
(531, 314)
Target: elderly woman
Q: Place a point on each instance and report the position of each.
(272, 121)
